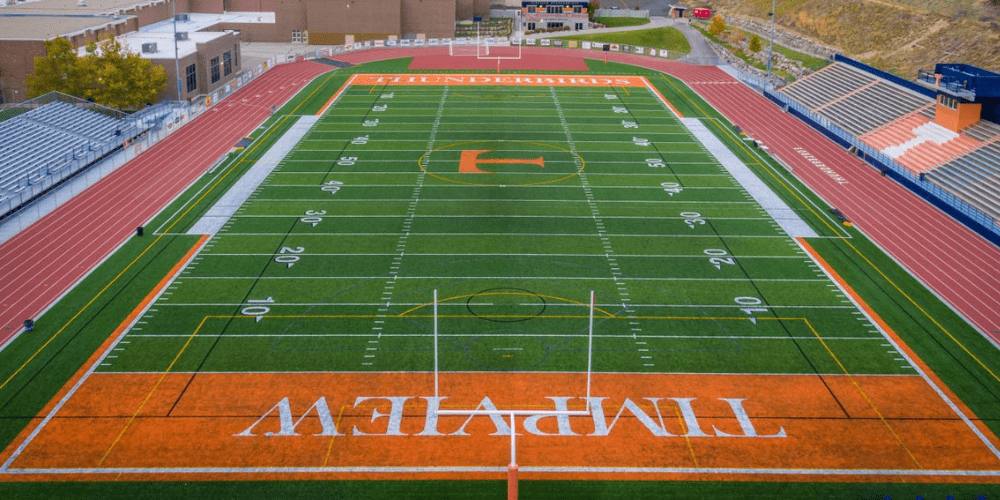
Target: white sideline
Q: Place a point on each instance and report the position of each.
(223, 210)
(789, 221)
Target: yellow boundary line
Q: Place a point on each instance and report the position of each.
(925, 313)
(809, 248)
(742, 146)
(335, 94)
(852, 247)
(157, 240)
(149, 396)
(176, 270)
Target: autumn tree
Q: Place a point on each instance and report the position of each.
(754, 44)
(718, 25)
(60, 70)
(123, 79)
(108, 74)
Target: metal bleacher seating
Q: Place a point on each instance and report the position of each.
(975, 176)
(859, 103)
(69, 118)
(42, 141)
(854, 100)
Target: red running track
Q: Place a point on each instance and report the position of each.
(957, 264)
(953, 261)
(950, 259)
(46, 259)
(535, 59)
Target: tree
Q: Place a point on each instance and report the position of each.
(754, 44)
(718, 25)
(108, 74)
(123, 79)
(60, 70)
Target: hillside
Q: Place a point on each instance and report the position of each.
(900, 36)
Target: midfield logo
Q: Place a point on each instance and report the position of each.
(470, 161)
(680, 419)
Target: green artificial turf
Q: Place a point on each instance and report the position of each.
(363, 223)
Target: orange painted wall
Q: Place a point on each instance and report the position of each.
(955, 120)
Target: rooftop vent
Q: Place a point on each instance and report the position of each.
(181, 35)
(149, 48)
(181, 18)
(81, 3)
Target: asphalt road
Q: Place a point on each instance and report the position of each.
(655, 7)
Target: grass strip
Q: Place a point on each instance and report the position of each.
(621, 22)
(657, 38)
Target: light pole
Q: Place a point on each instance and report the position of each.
(177, 61)
(770, 50)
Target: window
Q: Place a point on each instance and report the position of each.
(554, 9)
(948, 102)
(298, 36)
(236, 55)
(531, 9)
(531, 26)
(579, 26)
(578, 10)
(227, 64)
(215, 69)
(192, 78)
(555, 25)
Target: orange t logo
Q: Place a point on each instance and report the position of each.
(470, 161)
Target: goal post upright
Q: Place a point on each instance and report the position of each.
(525, 413)
(512, 466)
(435, 345)
(590, 347)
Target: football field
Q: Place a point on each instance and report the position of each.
(521, 246)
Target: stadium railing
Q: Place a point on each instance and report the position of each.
(142, 127)
(954, 206)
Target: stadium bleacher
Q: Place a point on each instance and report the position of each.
(900, 123)
(854, 100)
(69, 118)
(975, 177)
(41, 142)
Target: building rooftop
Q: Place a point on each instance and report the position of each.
(47, 19)
(162, 33)
(72, 6)
(47, 27)
(41, 26)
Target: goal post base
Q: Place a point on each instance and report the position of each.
(512, 482)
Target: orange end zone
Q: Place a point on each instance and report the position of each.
(505, 80)
(218, 426)
(335, 95)
(508, 80)
(905, 349)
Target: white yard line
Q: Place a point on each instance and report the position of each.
(237, 195)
